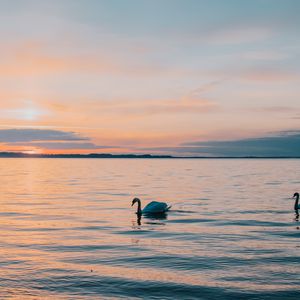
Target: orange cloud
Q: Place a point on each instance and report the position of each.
(32, 58)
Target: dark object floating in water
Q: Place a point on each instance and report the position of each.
(153, 207)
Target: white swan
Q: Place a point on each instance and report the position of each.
(296, 206)
(153, 207)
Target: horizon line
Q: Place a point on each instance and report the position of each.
(7, 154)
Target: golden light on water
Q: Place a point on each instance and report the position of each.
(67, 222)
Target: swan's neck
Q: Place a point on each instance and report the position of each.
(139, 207)
(296, 203)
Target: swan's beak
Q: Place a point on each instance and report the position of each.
(132, 203)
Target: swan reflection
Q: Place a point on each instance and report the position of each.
(151, 219)
(297, 217)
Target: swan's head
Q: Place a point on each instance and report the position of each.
(135, 200)
(296, 195)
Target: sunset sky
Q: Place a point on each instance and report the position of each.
(181, 77)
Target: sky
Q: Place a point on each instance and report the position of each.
(179, 77)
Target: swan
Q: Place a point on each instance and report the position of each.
(297, 206)
(153, 207)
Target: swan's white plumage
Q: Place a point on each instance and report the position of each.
(155, 207)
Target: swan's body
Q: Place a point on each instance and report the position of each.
(296, 206)
(153, 207)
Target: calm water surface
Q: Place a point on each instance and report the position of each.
(68, 230)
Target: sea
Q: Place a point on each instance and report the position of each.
(68, 231)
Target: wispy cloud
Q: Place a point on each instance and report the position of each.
(47, 139)
(285, 143)
(63, 146)
(269, 74)
(275, 109)
(185, 105)
(191, 103)
(30, 135)
(33, 59)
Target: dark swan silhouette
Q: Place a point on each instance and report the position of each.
(296, 206)
(153, 207)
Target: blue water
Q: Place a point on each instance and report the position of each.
(68, 230)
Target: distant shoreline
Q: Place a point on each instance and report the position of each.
(133, 156)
